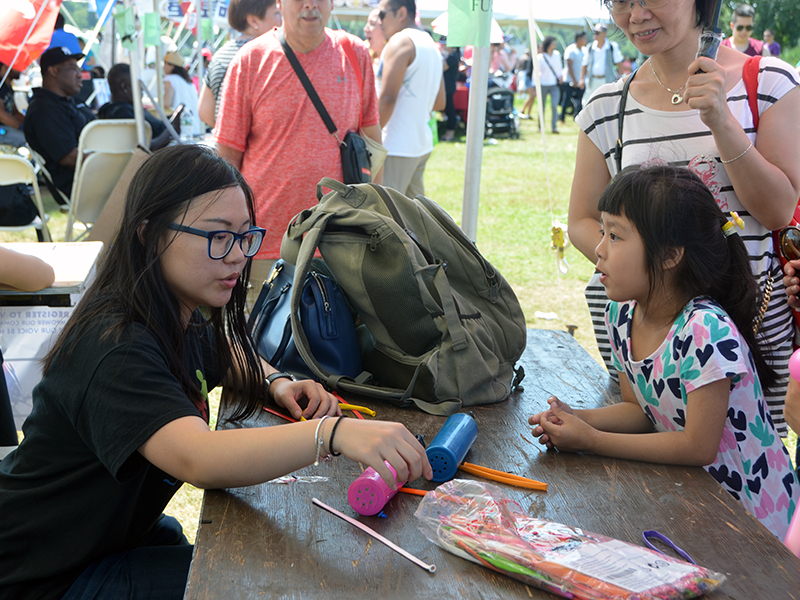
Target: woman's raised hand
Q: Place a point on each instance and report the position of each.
(706, 92)
(372, 442)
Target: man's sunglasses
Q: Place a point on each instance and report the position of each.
(382, 14)
(789, 238)
(747, 27)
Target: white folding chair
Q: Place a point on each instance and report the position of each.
(13, 170)
(104, 149)
(39, 161)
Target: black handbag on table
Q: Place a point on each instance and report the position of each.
(356, 163)
(325, 316)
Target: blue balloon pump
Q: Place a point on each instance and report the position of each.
(450, 446)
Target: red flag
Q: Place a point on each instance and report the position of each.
(16, 17)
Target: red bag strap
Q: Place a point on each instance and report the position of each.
(750, 78)
(347, 46)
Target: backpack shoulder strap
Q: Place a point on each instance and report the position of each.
(347, 46)
(750, 78)
(620, 118)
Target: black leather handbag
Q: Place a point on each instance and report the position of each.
(325, 316)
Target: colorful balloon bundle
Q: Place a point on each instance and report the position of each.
(478, 522)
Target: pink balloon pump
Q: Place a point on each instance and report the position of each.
(368, 494)
(794, 365)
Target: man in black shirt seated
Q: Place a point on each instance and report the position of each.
(121, 105)
(53, 122)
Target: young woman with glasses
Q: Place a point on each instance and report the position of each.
(694, 113)
(120, 418)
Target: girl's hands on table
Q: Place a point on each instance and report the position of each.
(559, 427)
(290, 394)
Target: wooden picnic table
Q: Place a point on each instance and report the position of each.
(269, 541)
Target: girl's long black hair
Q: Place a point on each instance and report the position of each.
(672, 208)
(130, 287)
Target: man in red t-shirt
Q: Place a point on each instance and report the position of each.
(269, 129)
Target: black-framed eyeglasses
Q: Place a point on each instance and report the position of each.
(220, 242)
(789, 238)
(747, 27)
(382, 14)
(618, 7)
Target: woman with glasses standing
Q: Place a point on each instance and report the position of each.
(693, 112)
(120, 418)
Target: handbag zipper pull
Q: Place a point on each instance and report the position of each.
(326, 305)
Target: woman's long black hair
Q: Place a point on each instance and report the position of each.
(130, 287)
(672, 208)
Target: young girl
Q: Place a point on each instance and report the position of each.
(120, 417)
(681, 319)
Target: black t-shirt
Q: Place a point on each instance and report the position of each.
(76, 489)
(52, 127)
(124, 110)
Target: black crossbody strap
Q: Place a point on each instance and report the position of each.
(312, 93)
(622, 102)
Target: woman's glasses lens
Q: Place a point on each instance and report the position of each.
(251, 242)
(222, 242)
(790, 243)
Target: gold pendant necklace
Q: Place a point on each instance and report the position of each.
(676, 94)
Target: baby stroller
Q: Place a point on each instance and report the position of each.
(501, 116)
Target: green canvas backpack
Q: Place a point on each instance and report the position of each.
(440, 327)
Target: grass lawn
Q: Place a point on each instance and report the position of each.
(523, 190)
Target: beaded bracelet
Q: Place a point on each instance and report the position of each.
(330, 441)
(319, 442)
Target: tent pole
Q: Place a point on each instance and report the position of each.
(476, 128)
(113, 42)
(93, 37)
(136, 91)
(72, 21)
